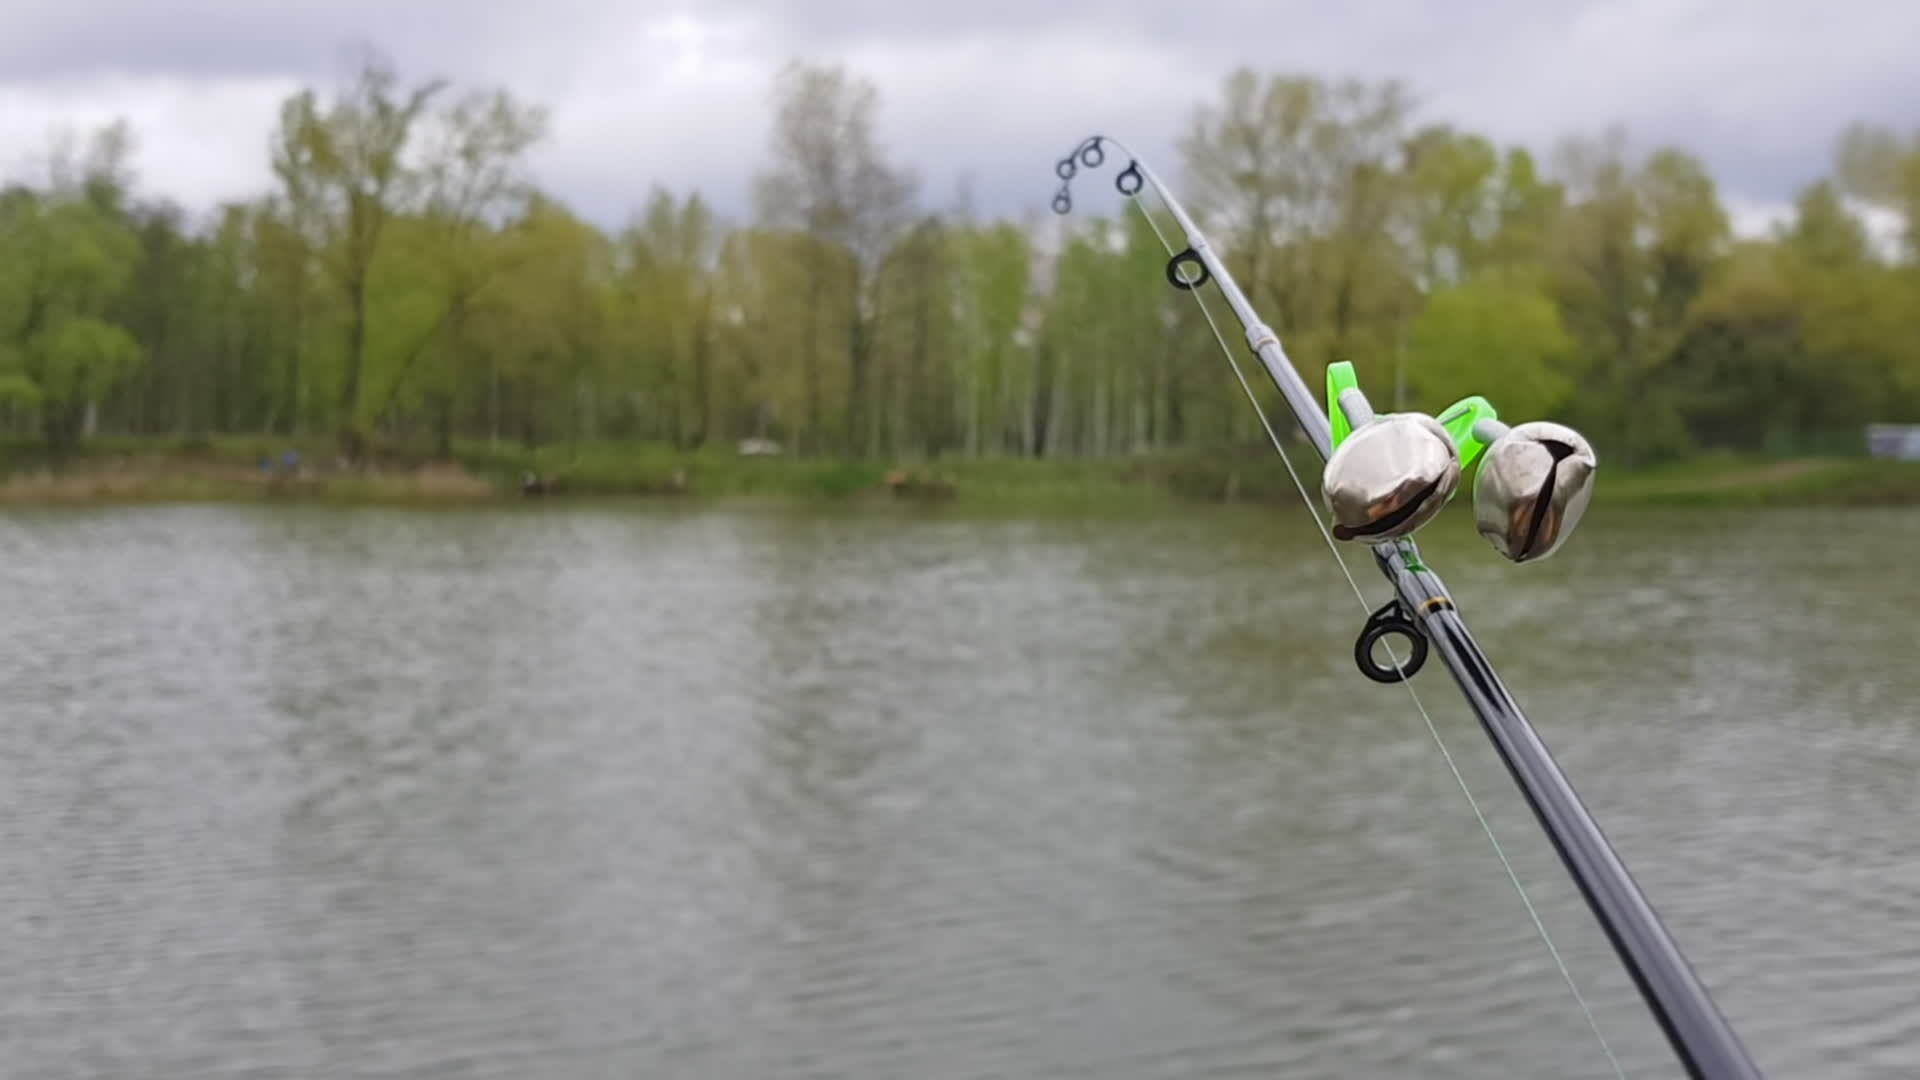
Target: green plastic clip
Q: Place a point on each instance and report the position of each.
(1459, 420)
(1340, 377)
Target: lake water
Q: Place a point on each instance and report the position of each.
(751, 791)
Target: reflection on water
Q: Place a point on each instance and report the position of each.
(751, 792)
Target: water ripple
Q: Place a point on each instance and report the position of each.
(757, 792)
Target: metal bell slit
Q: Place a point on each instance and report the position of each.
(1390, 477)
(1533, 487)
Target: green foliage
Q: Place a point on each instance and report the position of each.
(1500, 336)
(79, 358)
(19, 389)
(405, 290)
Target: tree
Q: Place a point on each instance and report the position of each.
(345, 176)
(996, 264)
(472, 174)
(1883, 169)
(830, 179)
(1307, 175)
(405, 288)
(1633, 248)
(70, 256)
(1496, 336)
(376, 169)
(662, 314)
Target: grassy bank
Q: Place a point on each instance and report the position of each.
(122, 470)
(153, 470)
(1728, 480)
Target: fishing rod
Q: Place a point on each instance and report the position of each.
(1385, 476)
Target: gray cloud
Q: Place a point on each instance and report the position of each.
(58, 40)
(995, 89)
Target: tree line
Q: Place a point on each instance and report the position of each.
(405, 285)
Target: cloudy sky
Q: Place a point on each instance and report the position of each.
(645, 92)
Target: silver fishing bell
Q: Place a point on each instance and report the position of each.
(1533, 486)
(1392, 475)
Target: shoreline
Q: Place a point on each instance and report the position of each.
(154, 471)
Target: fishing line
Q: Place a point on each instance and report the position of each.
(1433, 729)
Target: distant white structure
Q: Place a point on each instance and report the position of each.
(759, 448)
(1901, 442)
